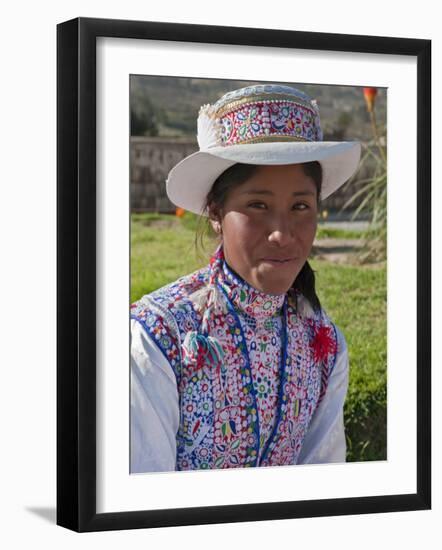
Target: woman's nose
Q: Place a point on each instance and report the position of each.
(281, 233)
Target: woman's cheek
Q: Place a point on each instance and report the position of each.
(307, 227)
(240, 224)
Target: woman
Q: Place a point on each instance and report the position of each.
(237, 364)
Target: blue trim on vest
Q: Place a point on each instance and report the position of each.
(282, 378)
(336, 353)
(156, 342)
(322, 395)
(334, 358)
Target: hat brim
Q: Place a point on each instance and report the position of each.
(191, 179)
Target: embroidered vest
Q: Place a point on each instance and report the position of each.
(251, 379)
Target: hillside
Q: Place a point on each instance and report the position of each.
(168, 106)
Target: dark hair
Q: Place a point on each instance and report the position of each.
(238, 174)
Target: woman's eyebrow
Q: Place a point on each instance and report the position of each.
(267, 192)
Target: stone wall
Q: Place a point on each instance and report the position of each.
(151, 160)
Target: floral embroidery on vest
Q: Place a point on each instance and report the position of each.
(250, 367)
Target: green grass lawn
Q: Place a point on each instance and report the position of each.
(335, 233)
(163, 248)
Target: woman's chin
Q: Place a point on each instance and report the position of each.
(275, 284)
(276, 281)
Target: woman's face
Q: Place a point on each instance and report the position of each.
(268, 226)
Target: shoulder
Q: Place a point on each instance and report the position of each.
(337, 363)
(335, 332)
(170, 297)
(170, 312)
(326, 336)
(342, 342)
(305, 311)
(330, 347)
(166, 315)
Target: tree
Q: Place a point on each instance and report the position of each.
(143, 115)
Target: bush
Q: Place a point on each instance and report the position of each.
(365, 414)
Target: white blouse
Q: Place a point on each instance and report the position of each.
(155, 414)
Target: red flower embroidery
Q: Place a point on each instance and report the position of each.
(323, 343)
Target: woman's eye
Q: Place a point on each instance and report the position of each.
(300, 206)
(261, 206)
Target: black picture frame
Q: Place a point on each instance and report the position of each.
(76, 273)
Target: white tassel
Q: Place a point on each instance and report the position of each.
(199, 298)
(208, 128)
(304, 308)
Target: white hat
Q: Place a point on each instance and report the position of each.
(263, 124)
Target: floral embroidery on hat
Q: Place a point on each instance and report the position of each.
(276, 118)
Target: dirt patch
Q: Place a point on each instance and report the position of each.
(341, 251)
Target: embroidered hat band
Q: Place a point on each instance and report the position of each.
(260, 114)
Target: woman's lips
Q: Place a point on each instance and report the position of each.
(276, 261)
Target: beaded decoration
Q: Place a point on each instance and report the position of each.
(248, 390)
(253, 114)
